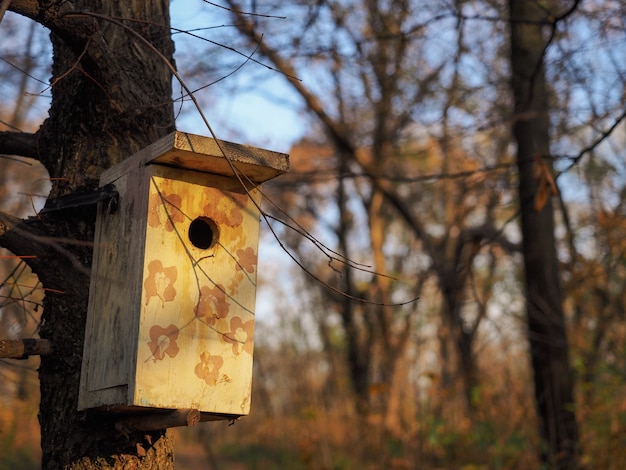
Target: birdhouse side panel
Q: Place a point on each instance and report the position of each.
(198, 293)
(113, 316)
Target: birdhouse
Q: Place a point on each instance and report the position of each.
(170, 323)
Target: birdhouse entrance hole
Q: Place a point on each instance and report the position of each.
(203, 233)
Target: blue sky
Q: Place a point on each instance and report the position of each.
(240, 108)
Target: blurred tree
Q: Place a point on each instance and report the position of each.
(547, 331)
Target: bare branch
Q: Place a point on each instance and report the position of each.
(52, 17)
(22, 348)
(3, 8)
(28, 8)
(7, 223)
(488, 234)
(29, 239)
(249, 13)
(23, 144)
(591, 147)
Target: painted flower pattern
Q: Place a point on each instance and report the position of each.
(235, 280)
(160, 282)
(207, 303)
(212, 304)
(246, 259)
(208, 369)
(241, 335)
(164, 209)
(163, 341)
(230, 214)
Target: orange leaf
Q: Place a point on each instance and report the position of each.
(544, 180)
(541, 197)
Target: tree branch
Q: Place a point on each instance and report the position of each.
(3, 8)
(52, 17)
(488, 234)
(28, 8)
(22, 144)
(24, 347)
(7, 223)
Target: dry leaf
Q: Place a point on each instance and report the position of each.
(141, 452)
(545, 182)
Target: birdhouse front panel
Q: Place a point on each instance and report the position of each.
(198, 293)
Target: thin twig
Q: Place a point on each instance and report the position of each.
(247, 13)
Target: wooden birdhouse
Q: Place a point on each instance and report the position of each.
(170, 323)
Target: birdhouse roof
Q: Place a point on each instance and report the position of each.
(207, 155)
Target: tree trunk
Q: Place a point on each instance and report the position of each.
(545, 317)
(111, 96)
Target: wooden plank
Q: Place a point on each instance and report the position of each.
(22, 348)
(113, 309)
(204, 154)
(108, 399)
(156, 420)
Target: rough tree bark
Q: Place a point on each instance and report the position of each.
(111, 96)
(544, 305)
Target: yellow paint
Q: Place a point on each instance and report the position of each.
(197, 315)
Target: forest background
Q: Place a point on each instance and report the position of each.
(398, 118)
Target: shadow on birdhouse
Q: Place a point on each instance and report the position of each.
(170, 324)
